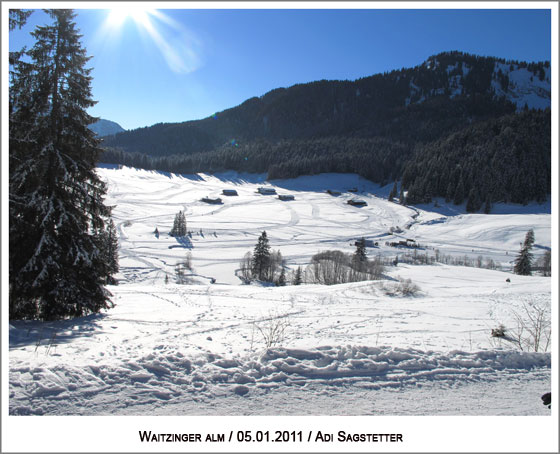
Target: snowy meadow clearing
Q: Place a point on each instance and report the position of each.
(216, 346)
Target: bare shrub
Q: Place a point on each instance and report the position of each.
(335, 267)
(404, 287)
(245, 267)
(328, 268)
(181, 269)
(271, 329)
(532, 330)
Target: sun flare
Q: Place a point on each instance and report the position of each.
(118, 16)
(179, 47)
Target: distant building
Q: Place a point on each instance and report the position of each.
(408, 243)
(369, 243)
(266, 191)
(357, 202)
(213, 200)
(286, 197)
(229, 192)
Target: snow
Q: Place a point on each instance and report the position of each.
(356, 349)
(524, 87)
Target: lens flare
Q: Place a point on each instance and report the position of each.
(179, 47)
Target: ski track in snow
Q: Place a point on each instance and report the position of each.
(350, 349)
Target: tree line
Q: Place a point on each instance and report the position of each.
(506, 159)
(499, 160)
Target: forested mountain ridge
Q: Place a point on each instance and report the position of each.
(501, 160)
(367, 107)
(382, 127)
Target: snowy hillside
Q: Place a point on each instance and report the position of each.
(106, 127)
(512, 80)
(524, 87)
(218, 347)
(314, 221)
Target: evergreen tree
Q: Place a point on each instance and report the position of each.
(450, 192)
(360, 257)
(459, 192)
(18, 18)
(393, 192)
(524, 260)
(546, 263)
(473, 202)
(261, 258)
(297, 276)
(110, 251)
(56, 209)
(487, 205)
(402, 200)
(179, 225)
(282, 278)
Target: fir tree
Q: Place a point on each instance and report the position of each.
(179, 225)
(524, 260)
(393, 192)
(546, 263)
(473, 202)
(487, 205)
(360, 257)
(261, 258)
(18, 18)
(402, 200)
(459, 195)
(297, 276)
(56, 209)
(282, 278)
(450, 192)
(110, 251)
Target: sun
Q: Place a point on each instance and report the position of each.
(178, 46)
(117, 16)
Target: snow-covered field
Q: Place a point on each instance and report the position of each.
(351, 349)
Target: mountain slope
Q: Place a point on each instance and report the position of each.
(386, 127)
(505, 159)
(106, 128)
(461, 88)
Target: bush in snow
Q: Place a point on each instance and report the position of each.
(404, 287)
(532, 332)
(271, 329)
(335, 267)
(181, 268)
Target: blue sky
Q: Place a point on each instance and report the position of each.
(181, 64)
